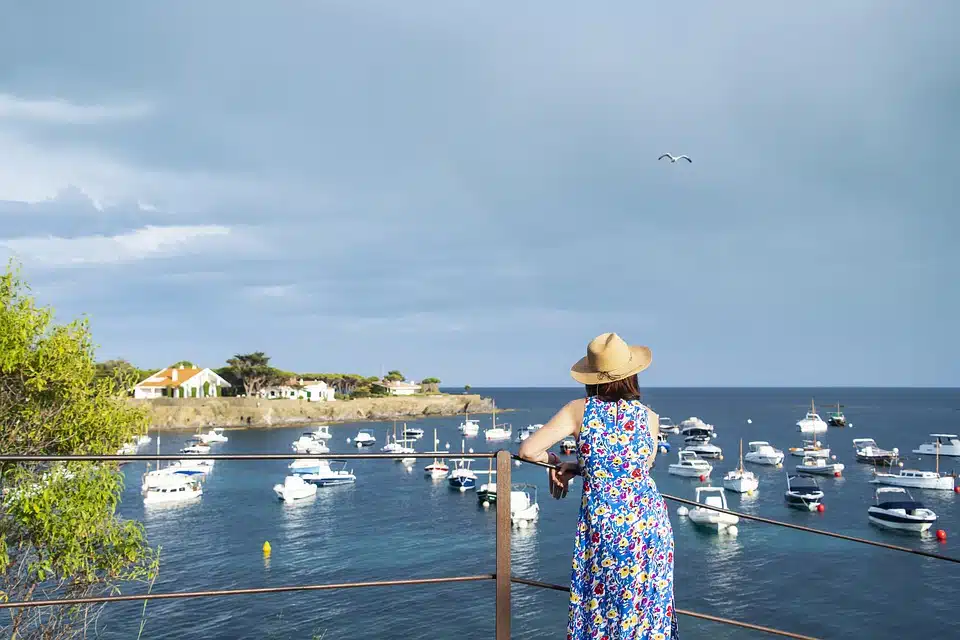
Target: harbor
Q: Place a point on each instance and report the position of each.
(395, 522)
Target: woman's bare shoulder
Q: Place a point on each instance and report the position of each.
(576, 407)
(652, 415)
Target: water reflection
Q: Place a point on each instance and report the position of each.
(525, 551)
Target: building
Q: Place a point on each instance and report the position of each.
(300, 389)
(180, 382)
(399, 387)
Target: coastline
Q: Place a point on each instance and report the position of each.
(191, 413)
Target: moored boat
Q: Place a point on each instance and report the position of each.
(820, 467)
(706, 516)
(812, 422)
(294, 488)
(740, 480)
(810, 448)
(328, 475)
(944, 444)
(896, 509)
(803, 493)
(762, 452)
(689, 465)
(524, 508)
(868, 451)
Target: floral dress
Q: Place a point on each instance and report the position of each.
(622, 585)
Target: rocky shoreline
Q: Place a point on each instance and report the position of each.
(191, 413)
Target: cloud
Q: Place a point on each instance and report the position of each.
(142, 244)
(64, 112)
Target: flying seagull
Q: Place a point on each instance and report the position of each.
(674, 159)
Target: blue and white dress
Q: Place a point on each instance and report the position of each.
(622, 585)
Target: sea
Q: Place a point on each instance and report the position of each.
(395, 524)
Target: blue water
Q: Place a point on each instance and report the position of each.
(394, 524)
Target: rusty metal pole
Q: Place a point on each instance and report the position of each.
(503, 545)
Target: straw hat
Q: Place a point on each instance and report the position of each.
(609, 359)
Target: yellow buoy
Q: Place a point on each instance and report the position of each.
(266, 548)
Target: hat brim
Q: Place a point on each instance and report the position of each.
(582, 372)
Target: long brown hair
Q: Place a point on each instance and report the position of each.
(626, 389)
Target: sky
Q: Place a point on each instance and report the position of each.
(471, 190)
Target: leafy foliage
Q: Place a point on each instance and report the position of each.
(59, 532)
(467, 388)
(394, 376)
(430, 385)
(253, 371)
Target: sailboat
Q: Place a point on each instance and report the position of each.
(438, 468)
(837, 419)
(740, 480)
(917, 479)
(487, 493)
(462, 477)
(497, 433)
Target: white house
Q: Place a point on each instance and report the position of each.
(399, 387)
(180, 382)
(309, 390)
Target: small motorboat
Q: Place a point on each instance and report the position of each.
(365, 438)
(469, 427)
(868, 451)
(213, 436)
(294, 488)
(812, 422)
(803, 493)
(412, 433)
(762, 452)
(501, 432)
(704, 449)
(524, 509)
(896, 509)
(302, 466)
(462, 478)
(740, 480)
(171, 488)
(689, 465)
(667, 426)
(837, 419)
(810, 448)
(322, 432)
(568, 445)
(706, 516)
(325, 475)
(523, 434)
(944, 444)
(820, 467)
(196, 448)
(695, 427)
(307, 443)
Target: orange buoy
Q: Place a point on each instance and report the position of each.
(956, 489)
(941, 535)
(821, 508)
(703, 478)
(836, 474)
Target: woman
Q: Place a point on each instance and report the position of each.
(622, 585)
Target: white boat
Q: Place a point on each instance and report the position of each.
(523, 434)
(142, 440)
(708, 518)
(524, 508)
(501, 432)
(837, 419)
(438, 468)
(820, 467)
(695, 427)
(185, 465)
(328, 475)
(762, 452)
(487, 492)
(196, 447)
(868, 451)
(689, 465)
(944, 444)
(803, 493)
(469, 427)
(812, 422)
(301, 466)
(294, 488)
(365, 438)
(896, 509)
(740, 480)
(306, 443)
(917, 479)
(212, 436)
(322, 432)
(568, 445)
(412, 433)
(704, 449)
(667, 426)
(171, 488)
(462, 477)
(810, 449)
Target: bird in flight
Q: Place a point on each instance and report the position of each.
(674, 159)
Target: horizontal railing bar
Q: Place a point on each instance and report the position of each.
(26, 604)
(790, 525)
(683, 612)
(243, 456)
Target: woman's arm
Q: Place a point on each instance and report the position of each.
(565, 423)
(653, 423)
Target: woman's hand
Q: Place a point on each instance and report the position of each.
(561, 475)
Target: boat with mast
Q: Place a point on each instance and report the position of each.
(812, 422)
(487, 493)
(462, 477)
(915, 479)
(469, 427)
(438, 468)
(837, 419)
(495, 432)
(740, 480)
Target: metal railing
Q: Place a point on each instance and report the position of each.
(502, 576)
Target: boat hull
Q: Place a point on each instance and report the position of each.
(810, 453)
(711, 520)
(688, 472)
(741, 485)
(327, 481)
(462, 484)
(877, 458)
(487, 495)
(827, 470)
(888, 520)
(930, 450)
(944, 483)
(770, 460)
(802, 502)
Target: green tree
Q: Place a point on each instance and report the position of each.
(125, 374)
(184, 363)
(466, 388)
(60, 536)
(430, 385)
(394, 376)
(253, 371)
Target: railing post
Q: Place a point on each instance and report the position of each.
(503, 545)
